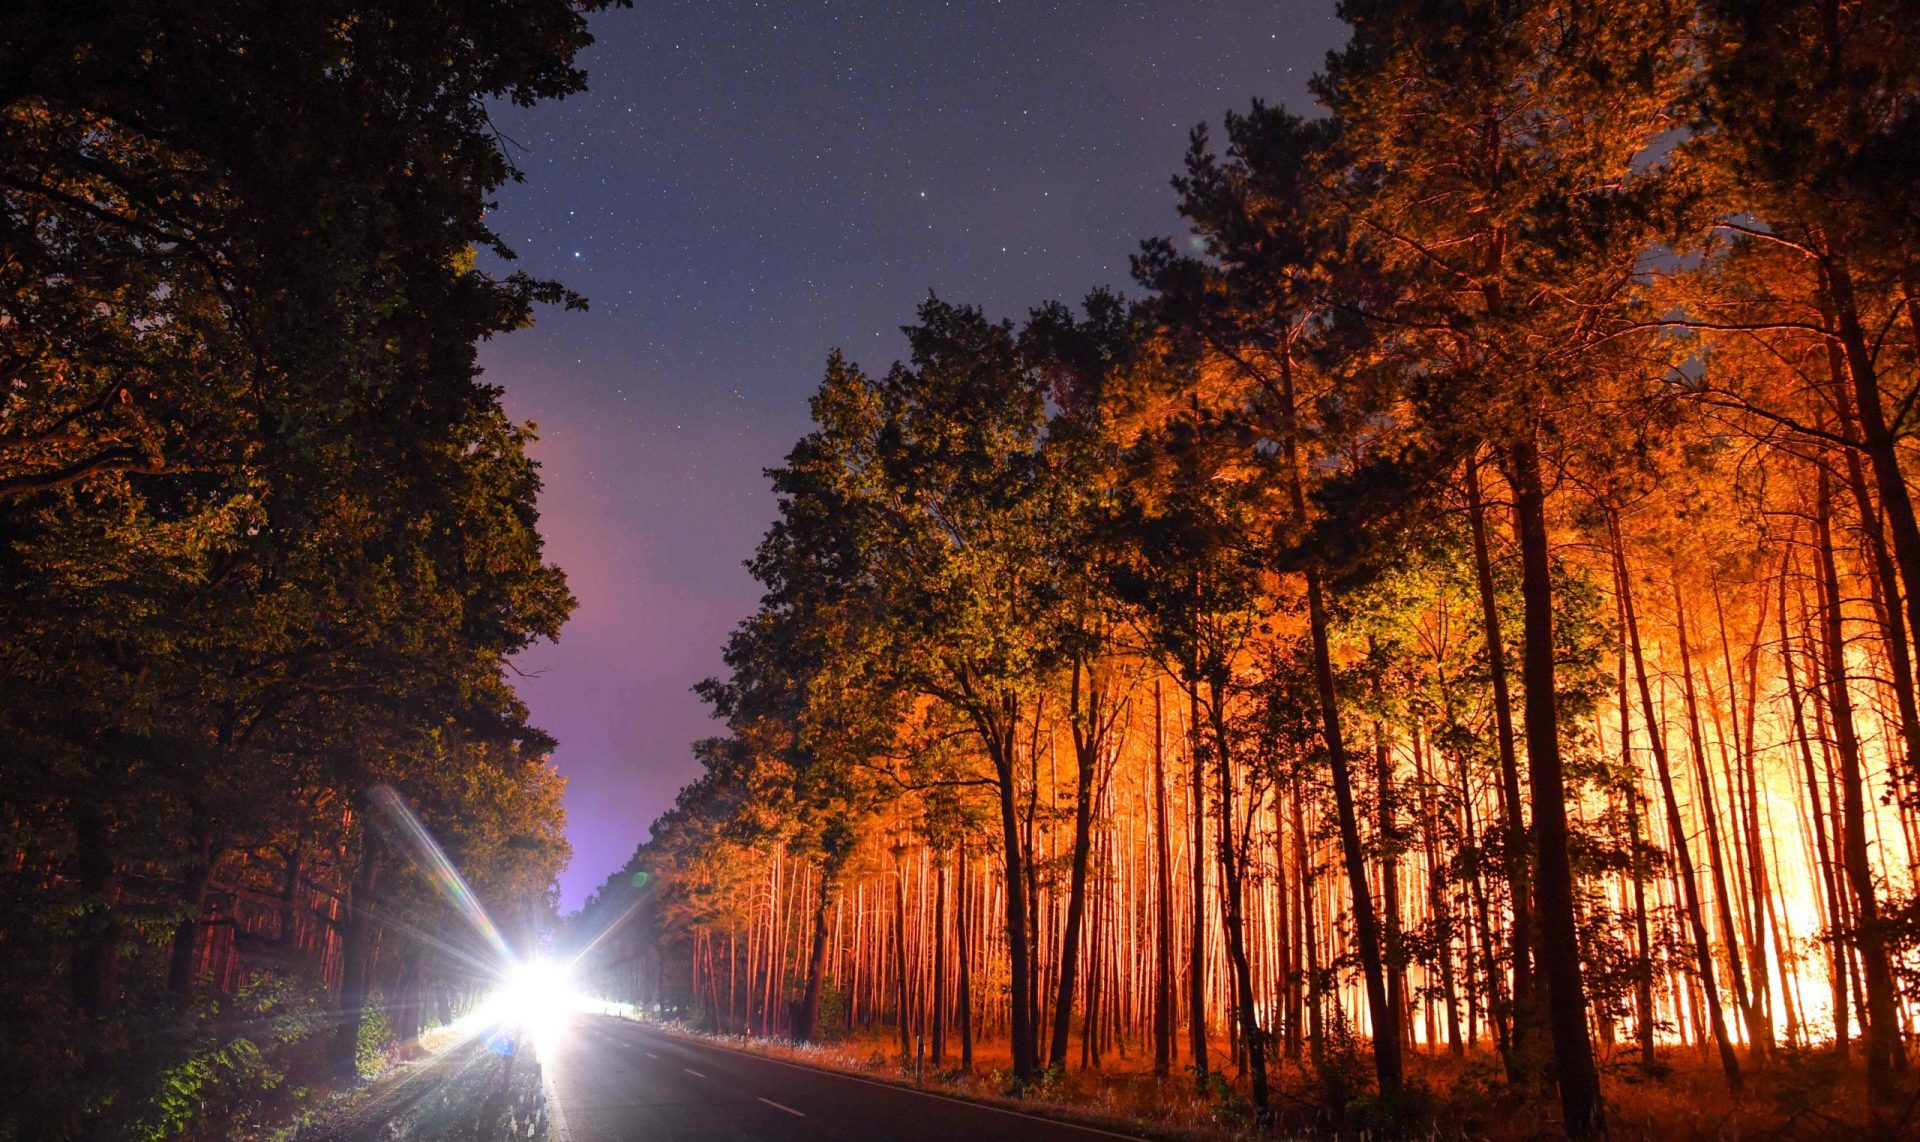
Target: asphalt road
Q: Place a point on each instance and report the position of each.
(611, 1080)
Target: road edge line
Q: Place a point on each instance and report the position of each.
(556, 1115)
(781, 1106)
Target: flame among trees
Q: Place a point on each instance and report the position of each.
(1472, 599)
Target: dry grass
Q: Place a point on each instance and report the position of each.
(1684, 1098)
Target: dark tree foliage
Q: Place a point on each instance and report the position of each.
(266, 539)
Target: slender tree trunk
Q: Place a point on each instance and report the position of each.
(1579, 1080)
(1036, 935)
(1885, 1053)
(1476, 884)
(1303, 876)
(1643, 946)
(1018, 948)
(1287, 952)
(901, 1010)
(1517, 848)
(355, 960)
(1676, 826)
(965, 998)
(937, 1045)
(1823, 851)
(1396, 963)
(1163, 886)
(1386, 1020)
(1233, 886)
(1438, 903)
(1883, 578)
(1710, 813)
(1747, 823)
(1085, 716)
(1878, 439)
(1630, 788)
(1197, 948)
(1385, 1017)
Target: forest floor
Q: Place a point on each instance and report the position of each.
(1800, 1095)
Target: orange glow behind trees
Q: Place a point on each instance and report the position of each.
(1471, 600)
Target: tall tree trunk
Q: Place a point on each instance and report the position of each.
(1233, 891)
(1309, 935)
(1018, 948)
(1512, 807)
(806, 1023)
(1643, 946)
(406, 1000)
(1710, 813)
(1197, 948)
(1385, 1017)
(1163, 886)
(1879, 442)
(184, 960)
(1559, 930)
(1747, 823)
(1823, 851)
(1395, 955)
(295, 855)
(1287, 950)
(1676, 826)
(1084, 715)
(1895, 627)
(937, 1045)
(1438, 903)
(1482, 915)
(1885, 1053)
(356, 948)
(1036, 956)
(901, 1010)
(964, 1000)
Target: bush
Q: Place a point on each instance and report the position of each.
(370, 1053)
(224, 1078)
(831, 1027)
(1343, 1069)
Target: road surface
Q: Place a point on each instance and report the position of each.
(611, 1080)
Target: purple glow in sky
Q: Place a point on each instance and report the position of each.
(746, 186)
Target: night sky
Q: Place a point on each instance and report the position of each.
(746, 186)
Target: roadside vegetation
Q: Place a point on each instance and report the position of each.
(268, 544)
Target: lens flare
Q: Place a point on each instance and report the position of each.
(536, 996)
(431, 860)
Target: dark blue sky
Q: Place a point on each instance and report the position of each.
(746, 186)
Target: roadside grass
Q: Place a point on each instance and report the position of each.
(1683, 1098)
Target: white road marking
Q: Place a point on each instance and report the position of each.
(788, 1109)
(694, 1073)
(556, 1113)
(651, 1055)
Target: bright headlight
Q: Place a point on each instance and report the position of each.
(537, 995)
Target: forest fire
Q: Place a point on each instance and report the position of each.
(1439, 656)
